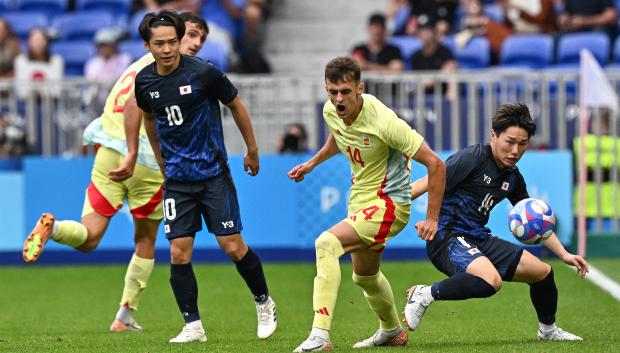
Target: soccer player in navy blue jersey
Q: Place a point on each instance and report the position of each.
(477, 263)
(180, 97)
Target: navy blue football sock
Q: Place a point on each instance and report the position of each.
(251, 269)
(461, 286)
(185, 289)
(544, 295)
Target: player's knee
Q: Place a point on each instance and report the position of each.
(89, 245)
(542, 272)
(495, 281)
(327, 243)
(179, 255)
(365, 281)
(235, 251)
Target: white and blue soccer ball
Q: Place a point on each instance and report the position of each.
(531, 221)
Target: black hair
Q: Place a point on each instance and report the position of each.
(162, 18)
(343, 68)
(195, 19)
(513, 114)
(377, 19)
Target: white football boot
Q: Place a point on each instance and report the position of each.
(395, 338)
(192, 332)
(416, 306)
(557, 334)
(315, 344)
(267, 323)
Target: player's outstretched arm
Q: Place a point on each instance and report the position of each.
(419, 187)
(553, 243)
(242, 119)
(436, 183)
(151, 133)
(329, 149)
(132, 120)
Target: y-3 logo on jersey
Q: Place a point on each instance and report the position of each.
(154, 94)
(228, 224)
(487, 179)
(486, 204)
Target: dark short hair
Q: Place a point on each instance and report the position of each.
(343, 68)
(162, 18)
(513, 114)
(376, 19)
(195, 19)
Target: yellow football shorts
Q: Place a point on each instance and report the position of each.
(378, 220)
(143, 190)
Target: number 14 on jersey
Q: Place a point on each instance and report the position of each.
(355, 155)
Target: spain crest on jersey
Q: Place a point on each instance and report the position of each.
(365, 141)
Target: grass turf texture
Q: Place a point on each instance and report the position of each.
(69, 309)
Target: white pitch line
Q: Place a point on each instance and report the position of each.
(605, 283)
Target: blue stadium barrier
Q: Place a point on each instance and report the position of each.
(281, 218)
(570, 45)
(75, 54)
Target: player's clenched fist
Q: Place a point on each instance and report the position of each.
(299, 171)
(427, 229)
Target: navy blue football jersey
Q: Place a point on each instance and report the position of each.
(188, 118)
(474, 185)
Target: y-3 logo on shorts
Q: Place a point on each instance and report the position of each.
(228, 224)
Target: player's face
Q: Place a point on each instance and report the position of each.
(346, 97)
(192, 41)
(509, 146)
(164, 45)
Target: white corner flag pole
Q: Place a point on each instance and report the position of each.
(595, 91)
(583, 127)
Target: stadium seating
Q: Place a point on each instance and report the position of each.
(49, 7)
(5, 5)
(407, 45)
(75, 53)
(24, 21)
(533, 51)
(475, 55)
(570, 44)
(133, 47)
(214, 12)
(114, 7)
(134, 24)
(82, 25)
(216, 53)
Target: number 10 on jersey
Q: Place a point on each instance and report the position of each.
(174, 115)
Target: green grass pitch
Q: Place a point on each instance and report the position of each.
(69, 309)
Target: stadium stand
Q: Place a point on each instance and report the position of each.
(49, 7)
(133, 47)
(532, 51)
(75, 53)
(474, 55)
(23, 22)
(216, 53)
(114, 7)
(570, 44)
(82, 25)
(407, 45)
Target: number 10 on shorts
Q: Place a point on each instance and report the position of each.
(170, 212)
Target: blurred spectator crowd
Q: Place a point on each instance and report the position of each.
(473, 34)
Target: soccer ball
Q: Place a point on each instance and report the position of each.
(531, 220)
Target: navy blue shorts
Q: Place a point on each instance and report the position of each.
(454, 253)
(215, 199)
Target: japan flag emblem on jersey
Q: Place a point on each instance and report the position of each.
(185, 89)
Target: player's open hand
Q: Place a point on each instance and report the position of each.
(427, 229)
(125, 170)
(250, 163)
(299, 171)
(579, 262)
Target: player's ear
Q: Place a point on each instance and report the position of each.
(360, 88)
(146, 46)
(493, 135)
